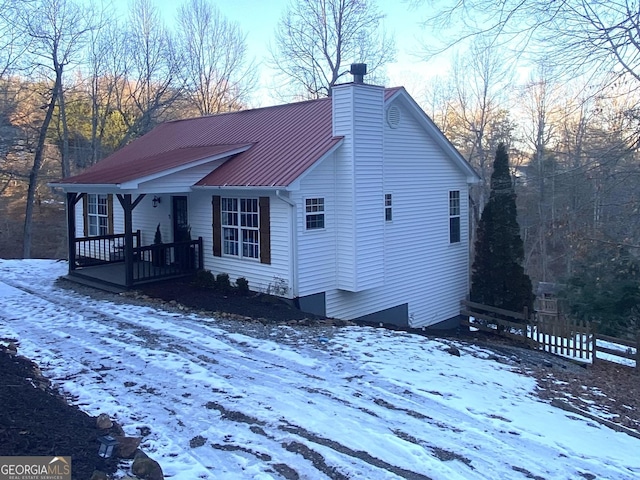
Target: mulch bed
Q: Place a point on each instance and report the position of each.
(255, 306)
(36, 421)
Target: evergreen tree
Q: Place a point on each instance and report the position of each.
(498, 277)
(605, 288)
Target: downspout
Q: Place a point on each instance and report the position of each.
(293, 243)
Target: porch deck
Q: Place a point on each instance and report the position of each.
(100, 262)
(113, 276)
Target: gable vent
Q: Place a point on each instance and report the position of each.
(393, 116)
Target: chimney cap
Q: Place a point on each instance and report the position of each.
(358, 70)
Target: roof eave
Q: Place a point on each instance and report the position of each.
(135, 183)
(86, 187)
(240, 187)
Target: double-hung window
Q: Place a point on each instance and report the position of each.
(240, 227)
(97, 215)
(454, 216)
(388, 207)
(314, 213)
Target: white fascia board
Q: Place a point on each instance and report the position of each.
(134, 184)
(295, 185)
(258, 188)
(439, 137)
(87, 188)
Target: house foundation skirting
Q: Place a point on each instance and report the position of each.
(397, 316)
(315, 304)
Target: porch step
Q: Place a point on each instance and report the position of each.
(93, 284)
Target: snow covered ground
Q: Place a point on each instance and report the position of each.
(353, 403)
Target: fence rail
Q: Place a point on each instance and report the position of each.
(557, 335)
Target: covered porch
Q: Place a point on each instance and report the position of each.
(120, 261)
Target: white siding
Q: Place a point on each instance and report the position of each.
(118, 218)
(421, 267)
(259, 275)
(316, 249)
(181, 181)
(146, 218)
(358, 116)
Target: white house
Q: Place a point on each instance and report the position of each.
(355, 206)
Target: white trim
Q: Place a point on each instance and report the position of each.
(293, 243)
(238, 187)
(295, 185)
(389, 207)
(322, 212)
(436, 134)
(240, 228)
(133, 184)
(452, 216)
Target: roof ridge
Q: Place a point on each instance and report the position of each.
(281, 105)
(221, 114)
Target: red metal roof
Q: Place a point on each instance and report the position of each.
(284, 141)
(126, 165)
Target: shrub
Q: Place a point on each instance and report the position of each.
(243, 285)
(204, 278)
(157, 238)
(222, 282)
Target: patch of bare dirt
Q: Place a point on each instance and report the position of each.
(36, 421)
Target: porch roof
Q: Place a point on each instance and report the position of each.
(280, 142)
(133, 164)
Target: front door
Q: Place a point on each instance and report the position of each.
(180, 219)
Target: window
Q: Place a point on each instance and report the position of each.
(314, 211)
(240, 227)
(388, 213)
(454, 216)
(97, 215)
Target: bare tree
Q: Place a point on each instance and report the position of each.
(12, 42)
(316, 39)
(57, 29)
(11, 45)
(579, 35)
(150, 82)
(540, 102)
(479, 119)
(214, 53)
(107, 70)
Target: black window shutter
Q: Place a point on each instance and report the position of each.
(265, 230)
(217, 226)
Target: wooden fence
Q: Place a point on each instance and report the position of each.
(618, 352)
(555, 334)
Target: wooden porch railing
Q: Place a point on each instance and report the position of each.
(100, 250)
(147, 263)
(154, 262)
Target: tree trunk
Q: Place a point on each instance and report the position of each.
(35, 170)
(66, 169)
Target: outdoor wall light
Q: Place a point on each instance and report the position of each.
(107, 443)
(156, 200)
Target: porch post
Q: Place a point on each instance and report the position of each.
(72, 199)
(125, 202)
(127, 208)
